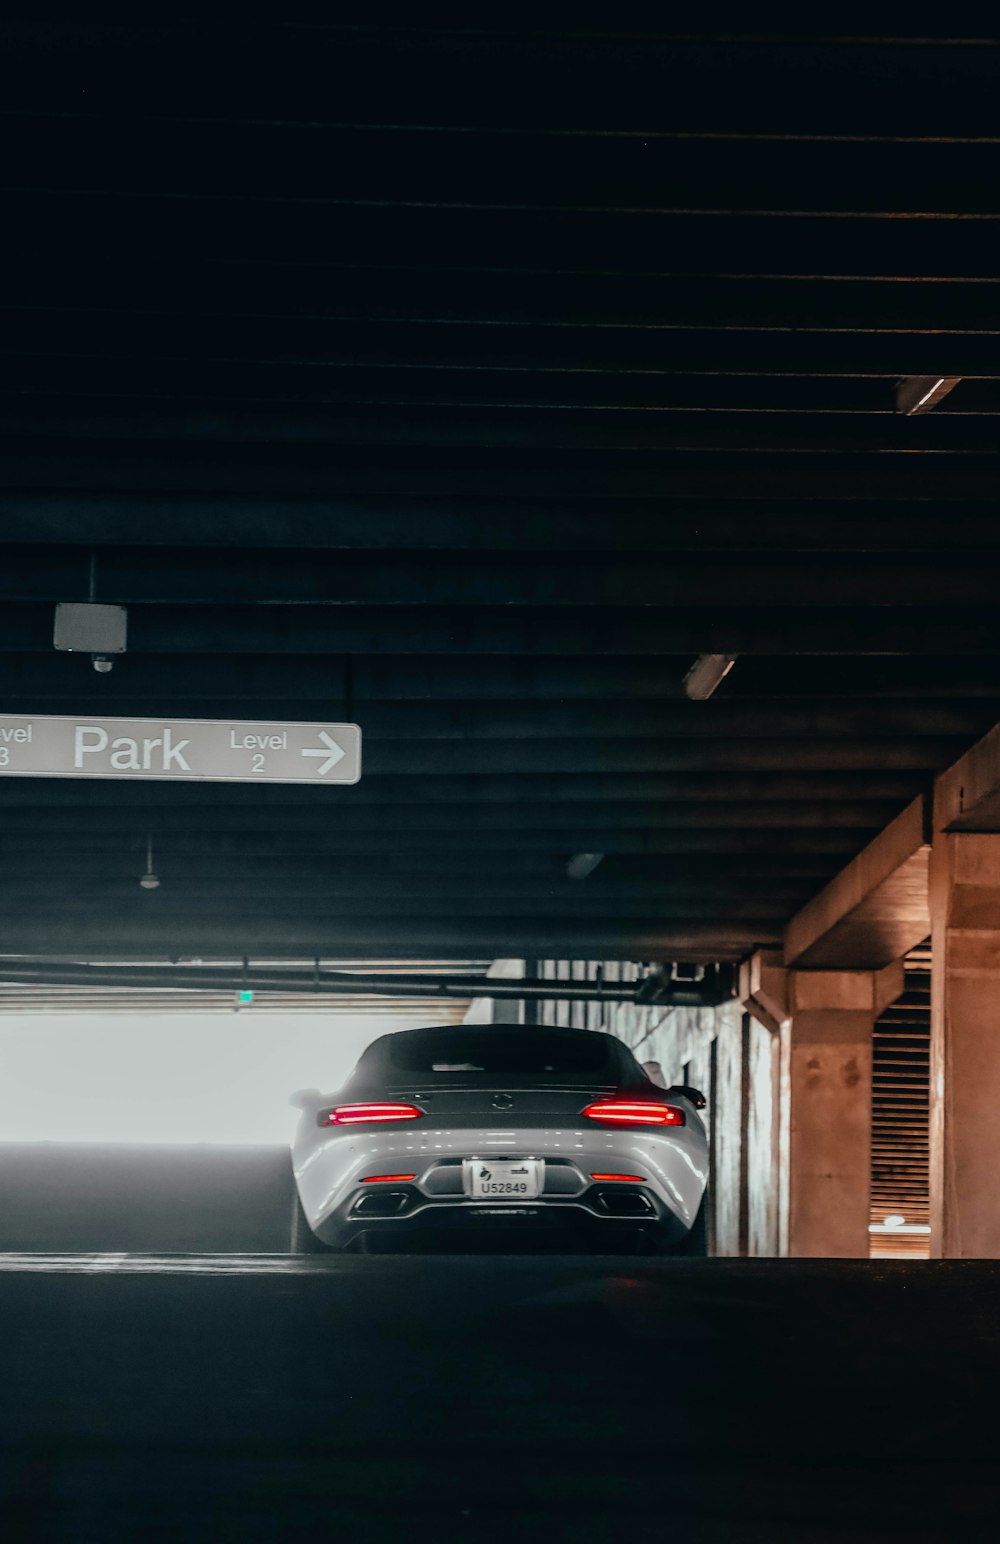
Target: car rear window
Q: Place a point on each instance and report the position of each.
(502, 1053)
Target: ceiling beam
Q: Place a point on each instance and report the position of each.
(449, 938)
(47, 875)
(482, 523)
(99, 835)
(530, 822)
(867, 244)
(532, 790)
(529, 425)
(87, 461)
(517, 873)
(875, 909)
(183, 905)
(967, 794)
(601, 81)
(529, 294)
(551, 580)
(765, 683)
(533, 631)
(486, 165)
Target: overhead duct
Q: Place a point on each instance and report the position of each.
(715, 983)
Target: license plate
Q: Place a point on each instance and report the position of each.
(504, 1179)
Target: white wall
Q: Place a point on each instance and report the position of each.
(155, 1078)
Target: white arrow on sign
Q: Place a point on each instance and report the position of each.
(333, 753)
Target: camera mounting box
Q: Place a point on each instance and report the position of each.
(87, 628)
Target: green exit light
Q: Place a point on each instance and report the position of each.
(245, 996)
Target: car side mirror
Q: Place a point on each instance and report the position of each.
(695, 1095)
(305, 1098)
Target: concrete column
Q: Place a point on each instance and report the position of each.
(499, 1010)
(824, 1019)
(726, 1100)
(965, 1045)
(830, 1073)
(762, 1160)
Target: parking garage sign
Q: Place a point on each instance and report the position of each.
(170, 750)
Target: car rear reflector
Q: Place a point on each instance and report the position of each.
(382, 1179)
(365, 1114)
(632, 1179)
(635, 1112)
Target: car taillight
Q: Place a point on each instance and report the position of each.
(635, 1112)
(382, 1179)
(367, 1114)
(630, 1179)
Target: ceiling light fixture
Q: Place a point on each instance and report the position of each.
(583, 863)
(149, 880)
(919, 393)
(707, 672)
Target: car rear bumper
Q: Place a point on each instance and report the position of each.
(603, 1213)
(569, 1228)
(343, 1195)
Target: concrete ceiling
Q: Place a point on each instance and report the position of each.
(470, 384)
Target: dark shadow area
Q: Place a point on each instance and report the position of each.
(161, 1199)
(218, 1398)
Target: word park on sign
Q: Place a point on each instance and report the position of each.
(175, 749)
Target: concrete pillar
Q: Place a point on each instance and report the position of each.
(498, 1010)
(824, 1021)
(832, 1014)
(726, 1101)
(965, 1045)
(761, 1166)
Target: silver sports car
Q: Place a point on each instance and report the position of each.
(497, 1133)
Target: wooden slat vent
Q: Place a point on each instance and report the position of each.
(900, 1116)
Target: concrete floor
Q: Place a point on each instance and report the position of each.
(221, 1397)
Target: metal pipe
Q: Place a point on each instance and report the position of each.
(714, 989)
